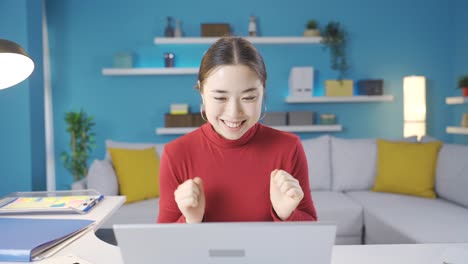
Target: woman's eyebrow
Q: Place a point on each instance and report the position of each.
(253, 89)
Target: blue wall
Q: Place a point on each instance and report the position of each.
(460, 65)
(22, 166)
(389, 40)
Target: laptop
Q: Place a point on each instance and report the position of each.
(226, 243)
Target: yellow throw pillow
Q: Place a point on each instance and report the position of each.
(406, 168)
(137, 171)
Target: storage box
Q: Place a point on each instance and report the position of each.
(370, 87)
(339, 88)
(179, 109)
(123, 60)
(327, 119)
(301, 81)
(275, 119)
(215, 30)
(178, 120)
(300, 118)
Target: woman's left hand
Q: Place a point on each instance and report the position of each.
(285, 193)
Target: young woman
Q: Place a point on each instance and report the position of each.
(233, 168)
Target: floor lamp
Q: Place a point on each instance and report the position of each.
(15, 64)
(414, 106)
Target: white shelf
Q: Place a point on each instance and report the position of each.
(456, 100)
(296, 129)
(457, 130)
(335, 99)
(254, 40)
(149, 71)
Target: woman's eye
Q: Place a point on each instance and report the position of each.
(219, 98)
(250, 98)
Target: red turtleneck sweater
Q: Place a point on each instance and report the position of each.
(235, 174)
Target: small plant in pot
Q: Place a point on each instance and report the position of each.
(463, 84)
(311, 29)
(82, 142)
(335, 39)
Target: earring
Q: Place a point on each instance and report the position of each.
(202, 109)
(264, 112)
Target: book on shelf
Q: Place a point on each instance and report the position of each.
(60, 202)
(31, 239)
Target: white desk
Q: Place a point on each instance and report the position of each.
(92, 249)
(89, 247)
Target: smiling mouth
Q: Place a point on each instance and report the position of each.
(233, 124)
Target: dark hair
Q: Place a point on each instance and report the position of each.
(231, 51)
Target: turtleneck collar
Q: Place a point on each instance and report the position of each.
(217, 139)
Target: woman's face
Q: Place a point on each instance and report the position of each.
(232, 96)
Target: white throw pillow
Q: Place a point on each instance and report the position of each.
(317, 151)
(129, 145)
(102, 178)
(451, 180)
(354, 163)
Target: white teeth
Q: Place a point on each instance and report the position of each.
(232, 124)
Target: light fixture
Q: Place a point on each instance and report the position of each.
(15, 64)
(414, 106)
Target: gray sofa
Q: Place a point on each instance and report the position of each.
(342, 172)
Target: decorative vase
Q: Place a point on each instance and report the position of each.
(177, 30)
(311, 33)
(169, 31)
(465, 91)
(464, 122)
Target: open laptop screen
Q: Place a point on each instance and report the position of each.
(240, 242)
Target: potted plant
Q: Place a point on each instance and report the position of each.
(334, 38)
(82, 142)
(311, 29)
(463, 84)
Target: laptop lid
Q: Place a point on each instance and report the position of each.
(242, 242)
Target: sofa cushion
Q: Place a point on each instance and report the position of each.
(142, 212)
(137, 172)
(396, 218)
(452, 174)
(132, 145)
(353, 163)
(317, 151)
(101, 177)
(406, 168)
(339, 209)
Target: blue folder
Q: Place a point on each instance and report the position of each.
(22, 239)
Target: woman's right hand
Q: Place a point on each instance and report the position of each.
(190, 198)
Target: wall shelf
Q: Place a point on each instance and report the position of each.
(254, 40)
(149, 71)
(456, 100)
(457, 130)
(296, 129)
(347, 99)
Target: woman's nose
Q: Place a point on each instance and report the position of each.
(234, 108)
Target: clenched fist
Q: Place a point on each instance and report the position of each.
(285, 193)
(190, 198)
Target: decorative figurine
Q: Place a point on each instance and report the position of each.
(252, 26)
(169, 31)
(169, 59)
(177, 31)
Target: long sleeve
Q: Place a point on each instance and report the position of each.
(305, 210)
(168, 183)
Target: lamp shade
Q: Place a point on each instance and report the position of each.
(15, 64)
(414, 105)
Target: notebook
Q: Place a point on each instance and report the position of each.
(79, 202)
(243, 242)
(28, 239)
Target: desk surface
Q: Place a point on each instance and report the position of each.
(92, 249)
(89, 247)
